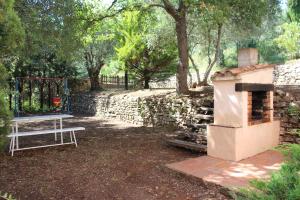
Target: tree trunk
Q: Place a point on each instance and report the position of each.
(42, 95)
(182, 69)
(30, 94)
(21, 95)
(126, 79)
(146, 83)
(94, 78)
(196, 70)
(179, 15)
(217, 49)
(191, 78)
(10, 94)
(93, 66)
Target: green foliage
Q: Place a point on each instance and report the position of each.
(50, 47)
(294, 110)
(6, 196)
(11, 31)
(284, 184)
(289, 39)
(145, 48)
(270, 52)
(5, 114)
(294, 10)
(11, 37)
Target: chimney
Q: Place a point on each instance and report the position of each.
(247, 57)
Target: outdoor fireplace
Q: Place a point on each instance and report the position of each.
(258, 107)
(243, 113)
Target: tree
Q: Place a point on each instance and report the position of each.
(145, 48)
(5, 114)
(11, 36)
(50, 38)
(11, 30)
(180, 16)
(237, 12)
(289, 40)
(98, 47)
(210, 21)
(96, 40)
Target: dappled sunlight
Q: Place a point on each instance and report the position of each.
(229, 173)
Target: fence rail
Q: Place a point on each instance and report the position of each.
(114, 81)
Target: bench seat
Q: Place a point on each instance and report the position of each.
(42, 132)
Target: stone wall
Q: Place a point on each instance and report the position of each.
(285, 98)
(287, 74)
(164, 107)
(155, 109)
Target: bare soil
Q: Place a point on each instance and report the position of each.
(112, 161)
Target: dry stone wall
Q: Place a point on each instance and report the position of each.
(287, 74)
(150, 110)
(168, 109)
(286, 99)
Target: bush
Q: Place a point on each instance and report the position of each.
(5, 114)
(284, 184)
(6, 196)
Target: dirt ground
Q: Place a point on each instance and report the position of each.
(112, 161)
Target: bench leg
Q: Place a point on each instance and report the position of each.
(10, 145)
(61, 138)
(55, 134)
(61, 133)
(71, 137)
(74, 136)
(13, 146)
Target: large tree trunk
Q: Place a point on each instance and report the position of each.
(93, 66)
(179, 15)
(94, 78)
(182, 69)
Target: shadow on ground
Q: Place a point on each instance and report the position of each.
(113, 161)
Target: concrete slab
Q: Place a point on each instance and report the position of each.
(228, 173)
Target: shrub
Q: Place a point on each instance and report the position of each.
(284, 184)
(5, 114)
(6, 196)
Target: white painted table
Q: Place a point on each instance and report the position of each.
(16, 122)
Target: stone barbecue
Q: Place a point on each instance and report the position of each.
(243, 113)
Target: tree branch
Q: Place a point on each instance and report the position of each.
(112, 4)
(196, 69)
(217, 47)
(170, 9)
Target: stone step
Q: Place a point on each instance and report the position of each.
(197, 126)
(207, 108)
(202, 137)
(202, 116)
(187, 145)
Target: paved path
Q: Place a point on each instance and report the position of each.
(227, 173)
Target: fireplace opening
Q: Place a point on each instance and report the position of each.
(259, 107)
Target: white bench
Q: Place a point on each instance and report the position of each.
(13, 147)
